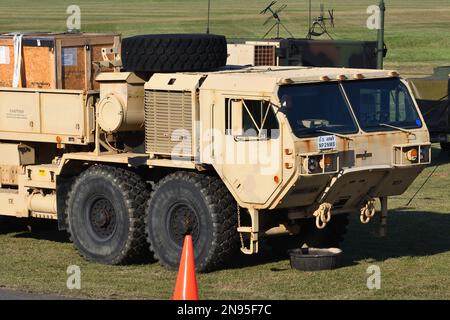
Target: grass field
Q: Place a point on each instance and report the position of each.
(414, 258)
(417, 32)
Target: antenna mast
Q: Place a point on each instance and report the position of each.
(318, 26)
(310, 14)
(275, 16)
(209, 10)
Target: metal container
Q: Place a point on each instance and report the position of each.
(312, 259)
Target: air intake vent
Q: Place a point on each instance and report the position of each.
(168, 123)
(265, 56)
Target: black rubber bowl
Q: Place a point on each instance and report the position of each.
(312, 259)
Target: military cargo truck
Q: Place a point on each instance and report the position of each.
(229, 156)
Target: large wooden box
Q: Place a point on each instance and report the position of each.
(55, 60)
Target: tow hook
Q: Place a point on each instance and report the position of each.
(367, 211)
(323, 215)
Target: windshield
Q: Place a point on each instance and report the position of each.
(382, 105)
(314, 108)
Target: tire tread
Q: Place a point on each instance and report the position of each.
(174, 53)
(223, 212)
(135, 194)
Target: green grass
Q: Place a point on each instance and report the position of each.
(417, 31)
(414, 259)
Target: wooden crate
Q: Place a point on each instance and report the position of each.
(55, 60)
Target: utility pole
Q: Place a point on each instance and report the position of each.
(380, 47)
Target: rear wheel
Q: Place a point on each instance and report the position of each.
(105, 216)
(330, 237)
(190, 203)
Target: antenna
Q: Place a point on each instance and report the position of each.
(275, 15)
(209, 10)
(310, 16)
(331, 15)
(320, 23)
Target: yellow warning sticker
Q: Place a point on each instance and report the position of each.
(42, 172)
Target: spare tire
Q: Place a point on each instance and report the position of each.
(174, 52)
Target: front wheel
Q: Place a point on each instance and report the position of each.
(190, 203)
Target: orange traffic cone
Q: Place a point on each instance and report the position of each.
(186, 285)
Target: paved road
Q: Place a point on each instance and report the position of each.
(7, 294)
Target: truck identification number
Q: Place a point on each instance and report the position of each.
(326, 142)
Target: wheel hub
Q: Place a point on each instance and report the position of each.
(102, 217)
(182, 221)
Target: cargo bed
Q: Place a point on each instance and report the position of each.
(47, 115)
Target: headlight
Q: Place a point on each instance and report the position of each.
(319, 164)
(424, 154)
(313, 164)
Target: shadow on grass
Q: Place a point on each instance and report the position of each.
(264, 256)
(34, 229)
(410, 233)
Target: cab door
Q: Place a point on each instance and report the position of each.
(251, 150)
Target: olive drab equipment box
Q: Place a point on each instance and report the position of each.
(432, 95)
(304, 52)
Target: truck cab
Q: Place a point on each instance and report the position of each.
(303, 141)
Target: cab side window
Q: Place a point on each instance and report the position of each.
(250, 118)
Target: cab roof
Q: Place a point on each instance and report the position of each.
(265, 79)
(289, 75)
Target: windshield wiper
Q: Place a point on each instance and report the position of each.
(334, 133)
(397, 128)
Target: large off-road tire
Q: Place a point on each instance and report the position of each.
(445, 146)
(174, 52)
(330, 237)
(105, 215)
(186, 202)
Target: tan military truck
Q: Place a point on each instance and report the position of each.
(228, 156)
